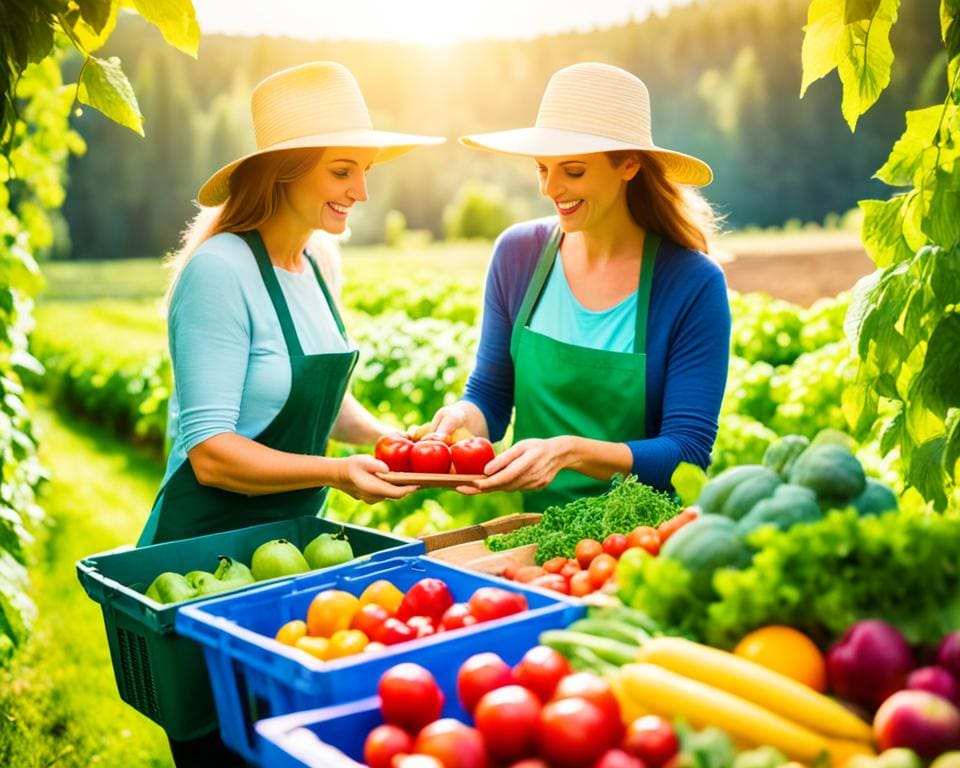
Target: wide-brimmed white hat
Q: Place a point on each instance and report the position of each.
(314, 105)
(589, 108)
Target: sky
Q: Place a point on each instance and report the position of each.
(437, 22)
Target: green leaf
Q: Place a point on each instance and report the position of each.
(39, 41)
(949, 16)
(859, 10)
(942, 223)
(688, 480)
(866, 61)
(925, 472)
(859, 406)
(90, 38)
(96, 13)
(892, 434)
(938, 381)
(951, 453)
(176, 20)
(945, 276)
(882, 231)
(104, 86)
(823, 35)
(907, 154)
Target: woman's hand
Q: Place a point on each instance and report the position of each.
(357, 477)
(529, 465)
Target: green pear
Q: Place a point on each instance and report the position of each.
(898, 757)
(171, 587)
(327, 550)
(277, 558)
(946, 760)
(233, 571)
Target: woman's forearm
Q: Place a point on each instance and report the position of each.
(235, 463)
(595, 458)
(356, 425)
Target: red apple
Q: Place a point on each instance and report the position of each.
(870, 661)
(948, 654)
(935, 680)
(919, 720)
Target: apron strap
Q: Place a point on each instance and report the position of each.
(276, 293)
(329, 297)
(544, 263)
(651, 244)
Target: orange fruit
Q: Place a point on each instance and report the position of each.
(384, 594)
(787, 651)
(318, 647)
(346, 642)
(290, 632)
(330, 610)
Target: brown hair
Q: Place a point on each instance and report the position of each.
(677, 212)
(256, 188)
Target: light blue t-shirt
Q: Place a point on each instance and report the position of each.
(231, 367)
(561, 316)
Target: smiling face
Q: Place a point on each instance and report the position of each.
(587, 190)
(323, 197)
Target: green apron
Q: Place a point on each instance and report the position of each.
(564, 389)
(317, 387)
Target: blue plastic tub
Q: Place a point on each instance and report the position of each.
(254, 677)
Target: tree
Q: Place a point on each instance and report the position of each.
(905, 318)
(479, 210)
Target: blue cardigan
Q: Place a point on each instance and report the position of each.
(688, 349)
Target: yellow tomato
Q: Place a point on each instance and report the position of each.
(787, 651)
(318, 647)
(290, 632)
(384, 594)
(347, 642)
(329, 611)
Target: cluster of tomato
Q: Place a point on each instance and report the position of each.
(535, 715)
(435, 454)
(594, 562)
(341, 624)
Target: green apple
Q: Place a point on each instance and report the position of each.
(327, 550)
(898, 757)
(277, 558)
(947, 760)
(171, 587)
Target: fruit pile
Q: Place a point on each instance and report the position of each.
(433, 453)
(278, 557)
(594, 565)
(339, 624)
(537, 714)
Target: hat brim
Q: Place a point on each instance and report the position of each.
(392, 145)
(554, 142)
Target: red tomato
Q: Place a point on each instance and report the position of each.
(470, 456)
(615, 544)
(507, 717)
(570, 568)
(454, 744)
(527, 573)
(552, 581)
(394, 451)
(652, 739)
(480, 674)
(428, 597)
(573, 733)
(432, 456)
(540, 670)
(489, 603)
(667, 528)
(581, 584)
(586, 550)
(456, 616)
(394, 631)
(645, 537)
(370, 620)
(510, 569)
(596, 690)
(555, 565)
(383, 742)
(617, 758)
(601, 569)
(409, 696)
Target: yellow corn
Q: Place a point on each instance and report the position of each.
(653, 686)
(778, 693)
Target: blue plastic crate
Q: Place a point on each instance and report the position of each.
(255, 677)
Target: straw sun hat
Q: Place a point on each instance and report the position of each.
(590, 108)
(314, 105)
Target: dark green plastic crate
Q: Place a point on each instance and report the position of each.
(158, 672)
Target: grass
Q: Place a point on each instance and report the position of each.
(58, 701)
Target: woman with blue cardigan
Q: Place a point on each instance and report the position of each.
(605, 330)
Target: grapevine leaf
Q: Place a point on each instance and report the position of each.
(945, 276)
(96, 13)
(907, 154)
(866, 61)
(950, 26)
(176, 20)
(821, 42)
(892, 434)
(882, 231)
(859, 405)
(859, 10)
(862, 298)
(104, 86)
(938, 381)
(952, 452)
(942, 223)
(924, 471)
(91, 38)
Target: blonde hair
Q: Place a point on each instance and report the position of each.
(677, 212)
(256, 189)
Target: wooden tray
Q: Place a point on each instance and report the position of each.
(428, 480)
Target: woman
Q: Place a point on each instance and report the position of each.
(260, 358)
(607, 329)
